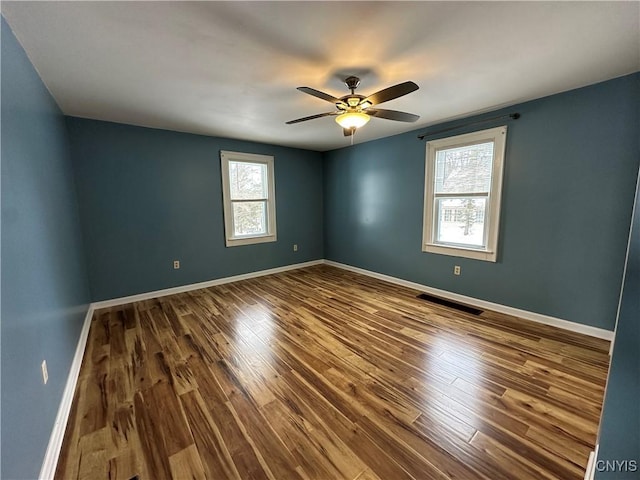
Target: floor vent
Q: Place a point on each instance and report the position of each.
(450, 304)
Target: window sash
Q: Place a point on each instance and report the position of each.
(250, 235)
(469, 156)
(438, 213)
(264, 181)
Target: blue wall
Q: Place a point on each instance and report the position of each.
(150, 196)
(620, 426)
(44, 286)
(570, 172)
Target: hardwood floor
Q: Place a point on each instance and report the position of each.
(325, 374)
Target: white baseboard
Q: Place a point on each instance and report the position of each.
(590, 471)
(50, 462)
(195, 286)
(496, 307)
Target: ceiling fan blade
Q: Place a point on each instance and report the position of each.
(304, 119)
(319, 94)
(348, 131)
(391, 93)
(392, 115)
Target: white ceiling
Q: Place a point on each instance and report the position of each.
(231, 69)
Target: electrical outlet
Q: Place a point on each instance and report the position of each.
(295, 247)
(45, 374)
(456, 270)
(176, 264)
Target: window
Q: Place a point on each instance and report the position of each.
(249, 198)
(463, 181)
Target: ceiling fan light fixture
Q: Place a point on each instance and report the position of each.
(352, 119)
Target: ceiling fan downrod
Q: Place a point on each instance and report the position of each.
(352, 83)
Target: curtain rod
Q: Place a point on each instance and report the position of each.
(513, 116)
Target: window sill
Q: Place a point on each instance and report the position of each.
(485, 255)
(236, 242)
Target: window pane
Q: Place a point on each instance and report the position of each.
(249, 218)
(247, 181)
(464, 169)
(461, 221)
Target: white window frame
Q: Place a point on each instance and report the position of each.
(271, 235)
(489, 253)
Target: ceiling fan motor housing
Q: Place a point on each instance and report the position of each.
(352, 83)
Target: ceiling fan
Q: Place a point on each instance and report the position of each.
(354, 111)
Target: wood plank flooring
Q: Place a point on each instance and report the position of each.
(324, 374)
